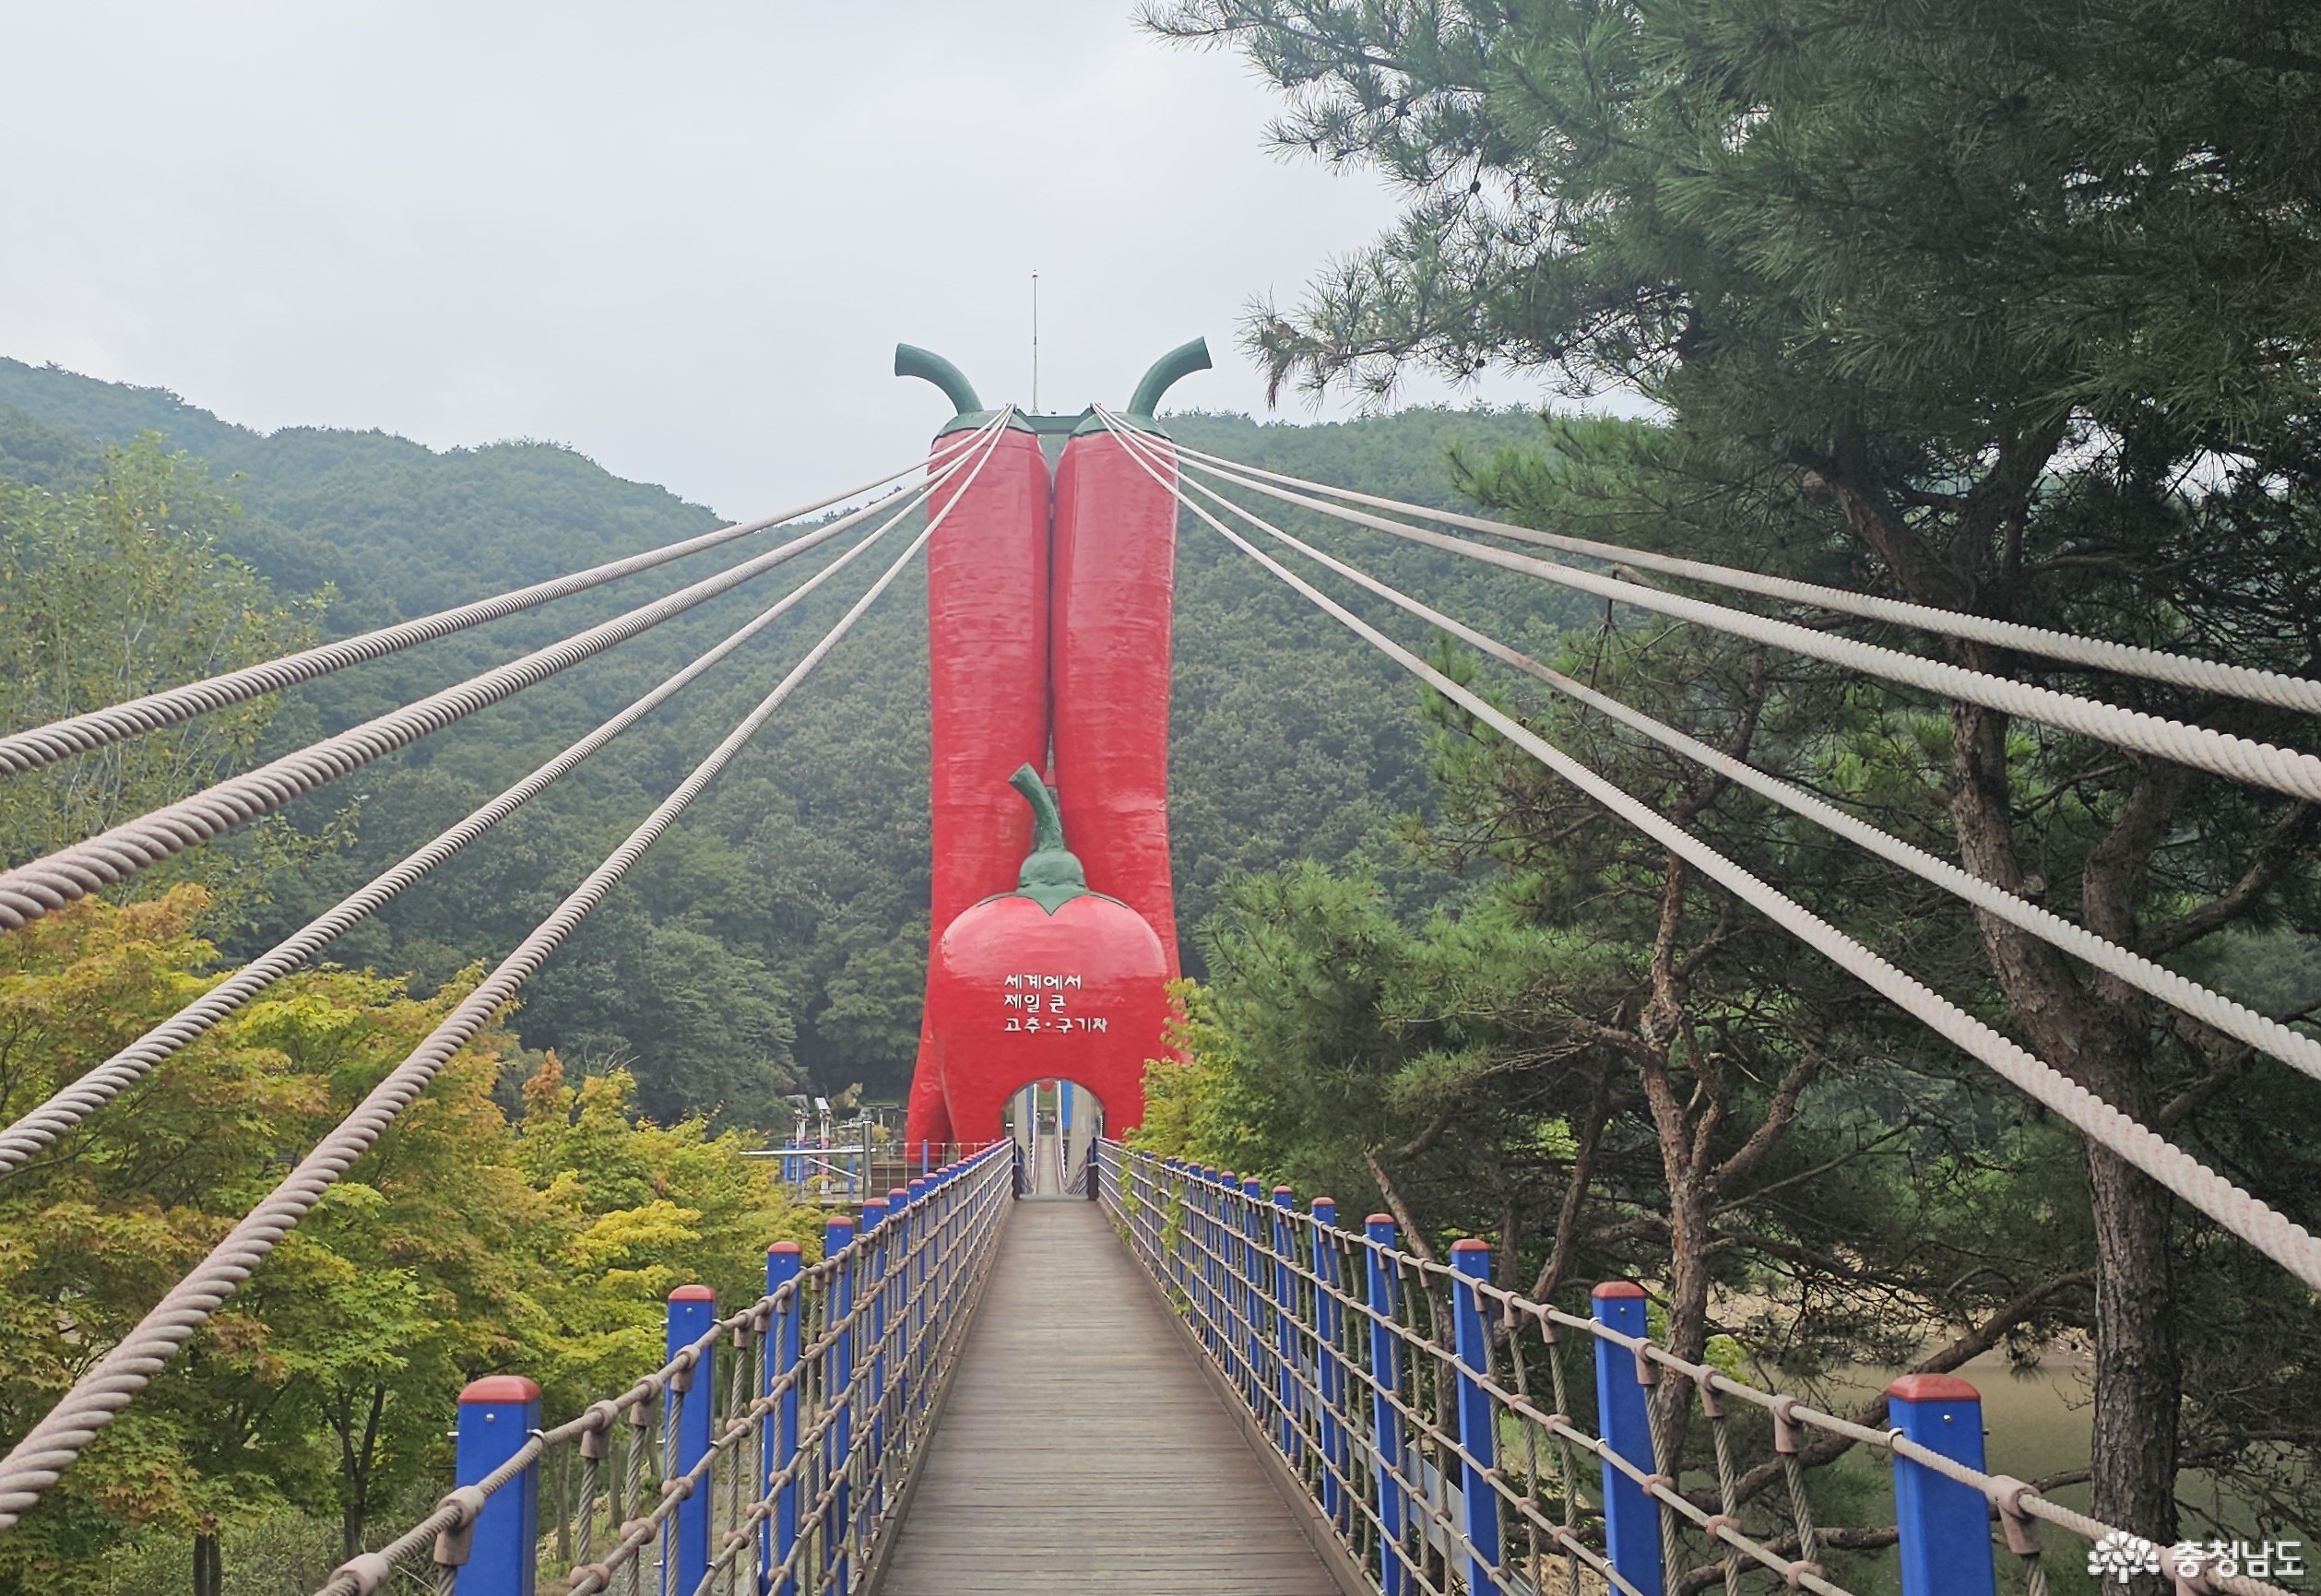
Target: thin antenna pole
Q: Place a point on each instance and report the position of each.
(1036, 343)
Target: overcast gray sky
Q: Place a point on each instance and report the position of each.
(683, 239)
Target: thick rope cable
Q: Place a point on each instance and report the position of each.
(2210, 1008)
(32, 890)
(2283, 770)
(2241, 681)
(71, 1104)
(2273, 1234)
(40, 745)
(40, 1459)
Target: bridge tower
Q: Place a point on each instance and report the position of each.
(1049, 606)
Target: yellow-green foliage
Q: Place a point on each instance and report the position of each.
(463, 1242)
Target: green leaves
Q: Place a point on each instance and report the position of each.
(117, 587)
(462, 1244)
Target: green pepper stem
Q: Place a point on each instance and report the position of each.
(1048, 820)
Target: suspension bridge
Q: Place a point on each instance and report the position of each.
(1047, 1359)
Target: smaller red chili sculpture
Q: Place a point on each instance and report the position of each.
(1048, 982)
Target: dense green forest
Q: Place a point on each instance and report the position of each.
(795, 894)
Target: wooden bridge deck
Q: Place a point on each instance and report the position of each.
(1084, 1450)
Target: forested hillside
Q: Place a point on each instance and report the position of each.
(776, 937)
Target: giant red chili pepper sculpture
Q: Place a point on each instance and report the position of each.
(1018, 652)
(1050, 981)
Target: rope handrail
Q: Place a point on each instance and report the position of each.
(1300, 1350)
(40, 745)
(2256, 686)
(2272, 1232)
(2283, 770)
(40, 1457)
(70, 1104)
(960, 1208)
(2211, 1008)
(33, 889)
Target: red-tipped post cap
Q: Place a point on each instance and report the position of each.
(499, 1389)
(1617, 1288)
(1284, 1191)
(786, 1247)
(1379, 1219)
(840, 1221)
(897, 1194)
(1933, 1389)
(1469, 1244)
(693, 1293)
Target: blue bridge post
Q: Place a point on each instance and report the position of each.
(1187, 1253)
(779, 1437)
(1632, 1517)
(922, 1314)
(1478, 1420)
(1203, 1224)
(921, 1240)
(779, 1433)
(1253, 1296)
(692, 1309)
(839, 1391)
(1386, 1419)
(497, 1416)
(1945, 1527)
(895, 1306)
(1329, 1374)
(877, 1221)
(1287, 1389)
(1228, 1266)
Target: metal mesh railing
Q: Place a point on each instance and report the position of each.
(1438, 1425)
(767, 1455)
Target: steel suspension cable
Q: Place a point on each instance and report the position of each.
(40, 745)
(40, 1459)
(32, 890)
(2241, 681)
(2280, 1238)
(2211, 1008)
(72, 1103)
(2283, 770)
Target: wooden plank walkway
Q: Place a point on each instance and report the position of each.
(1081, 1449)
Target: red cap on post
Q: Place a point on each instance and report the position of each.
(1379, 1219)
(1933, 1389)
(1618, 1288)
(1469, 1244)
(693, 1293)
(499, 1389)
(785, 1247)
